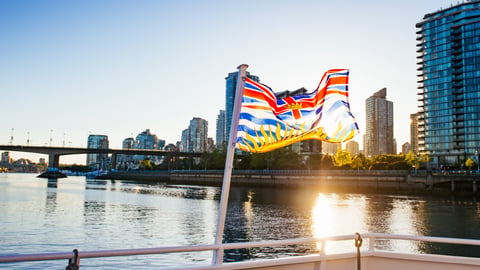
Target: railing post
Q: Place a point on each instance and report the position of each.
(371, 243)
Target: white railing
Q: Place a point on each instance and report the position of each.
(75, 256)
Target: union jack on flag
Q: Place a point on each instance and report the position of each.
(267, 122)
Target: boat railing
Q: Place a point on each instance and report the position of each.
(75, 256)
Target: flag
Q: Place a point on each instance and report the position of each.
(267, 122)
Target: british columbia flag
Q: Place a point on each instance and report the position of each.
(268, 122)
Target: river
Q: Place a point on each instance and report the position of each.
(39, 215)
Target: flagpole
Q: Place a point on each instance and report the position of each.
(218, 254)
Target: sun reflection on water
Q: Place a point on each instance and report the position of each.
(335, 214)
(340, 214)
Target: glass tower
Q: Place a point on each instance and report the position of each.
(379, 124)
(231, 85)
(449, 84)
(97, 161)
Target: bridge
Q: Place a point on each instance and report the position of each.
(54, 153)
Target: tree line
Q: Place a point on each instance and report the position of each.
(286, 159)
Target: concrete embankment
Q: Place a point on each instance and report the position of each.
(352, 181)
(150, 176)
(324, 181)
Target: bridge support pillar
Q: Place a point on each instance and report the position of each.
(53, 160)
(114, 161)
(474, 186)
(52, 171)
(452, 185)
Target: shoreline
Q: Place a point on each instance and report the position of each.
(335, 181)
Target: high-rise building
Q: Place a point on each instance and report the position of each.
(449, 83)
(379, 133)
(195, 137)
(221, 129)
(414, 132)
(97, 161)
(352, 147)
(231, 85)
(126, 161)
(6, 157)
(330, 148)
(184, 141)
(406, 147)
(146, 140)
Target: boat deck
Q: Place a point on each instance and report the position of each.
(370, 258)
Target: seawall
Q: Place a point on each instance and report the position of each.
(334, 180)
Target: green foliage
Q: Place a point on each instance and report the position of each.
(360, 162)
(314, 162)
(327, 162)
(286, 159)
(242, 162)
(469, 163)
(400, 165)
(342, 158)
(410, 158)
(145, 164)
(379, 166)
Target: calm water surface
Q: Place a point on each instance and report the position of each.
(39, 215)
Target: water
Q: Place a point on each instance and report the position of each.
(39, 215)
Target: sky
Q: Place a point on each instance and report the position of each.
(73, 68)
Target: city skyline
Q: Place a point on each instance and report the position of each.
(71, 69)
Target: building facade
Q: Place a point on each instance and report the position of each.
(449, 83)
(6, 157)
(221, 142)
(231, 85)
(406, 147)
(414, 132)
(379, 125)
(127, 161)
(352, 147)
(146, 140)
(195, 137)
(97, 161)
(331, 148)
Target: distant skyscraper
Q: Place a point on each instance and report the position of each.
(406, 147)
(146, 140)
(97, 161)
(231, 84)
(125, 161)
(185, 141)
(221, 129)
(352, 147)
(6, 157)
(414, 132)
(449, 83)
(379, 135)
(330, 148)
(195, 138)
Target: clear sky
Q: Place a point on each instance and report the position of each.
(73, 68)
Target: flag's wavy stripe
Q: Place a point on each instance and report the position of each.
(267, 123)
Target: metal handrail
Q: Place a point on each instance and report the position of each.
(372, 237)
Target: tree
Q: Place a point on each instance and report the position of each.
(360, 162)
(314, 161)
(410, 158)
(327, 162)
(342, 158)
(469, 163)
(145, 164)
